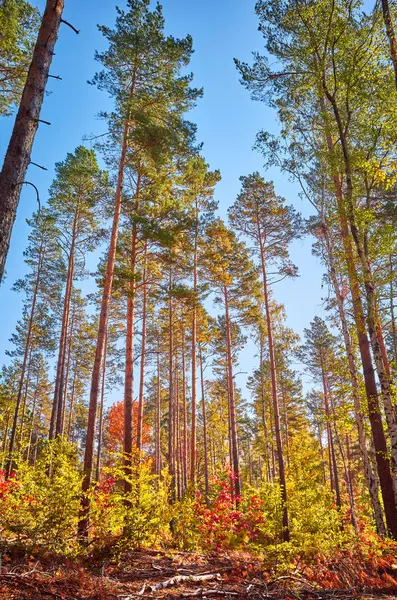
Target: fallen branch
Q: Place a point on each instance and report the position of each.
(181, 579)
(200, 592)
(293, 578)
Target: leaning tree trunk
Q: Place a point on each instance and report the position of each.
(277, 430)
(391, 36)
(17, 157)
(370, 477)
(374, 412)
(371, 303)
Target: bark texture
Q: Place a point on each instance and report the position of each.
(17, 158)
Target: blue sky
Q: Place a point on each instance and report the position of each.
(226, 117)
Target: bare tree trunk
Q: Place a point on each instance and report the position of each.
(333, 465)
(393, 319)
(33, 418)
(205, 440)
(320, 433)
(184, 406)
(193, 435)
(143, 355)
(171, 417)
(177, 444)
(277, 430)
(71, 405)
(17, 158)
(158, 416)
(68, 360)
(232, 406)
(24, 361)
(102, 328)
(264, 418)
(100, 432)
(129, 366)
(57, 407)
(25, 397)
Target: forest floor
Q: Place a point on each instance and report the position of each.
(153, 574)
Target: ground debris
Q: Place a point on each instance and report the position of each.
(183, 575)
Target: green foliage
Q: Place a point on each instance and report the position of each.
(135, 519)
(40, 504)
(19, 22)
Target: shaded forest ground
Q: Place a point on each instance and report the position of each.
(156, 574)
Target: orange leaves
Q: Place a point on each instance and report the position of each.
(114, 428)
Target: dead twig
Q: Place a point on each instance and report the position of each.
(70, 25)
(293, 578)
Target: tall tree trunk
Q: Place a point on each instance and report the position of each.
(102, 328)
(100, 425)
(5, 435)
(371, 304)
(171, 417)
(393, 318)
(67, 369)
(158, 416)
(264, 418)
(177, 429)
(232, 406)
(205, 438)
(276, 415)
(25, 396)
(31, 428)
(24, 361)
(143, 355)
(19, 150)
(391, 36)
(71, 405)
(184, 407)
(370, 477)
(193, 435)
(129, 367)
(374, 413)
(333, 466)
(57, 407)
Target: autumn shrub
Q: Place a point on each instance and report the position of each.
(39, 503)
(224, 522)
(131, 519)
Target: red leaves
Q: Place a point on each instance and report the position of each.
(223, 525)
